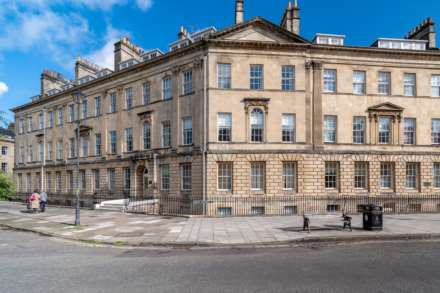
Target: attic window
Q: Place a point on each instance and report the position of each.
(127, 64)
(327, 39)
(401, 44)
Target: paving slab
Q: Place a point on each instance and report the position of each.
(141, 230)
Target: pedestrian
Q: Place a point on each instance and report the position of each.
(35, 201)
(43, 201)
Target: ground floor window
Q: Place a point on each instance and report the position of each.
(28, 182)
(386, 175)
(58, 181)
(289, 175)
(165, 177)
(186, 177)
(412, 174)
(48, 181)
(331, 175)
(225, 176)
(127, 179)
(361, 175)
(258, 176)
(111, 174)
(71, 184)
(96, 180)
(82, 179)
(436, 175)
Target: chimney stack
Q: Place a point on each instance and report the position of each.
(126, 50)
(51, 80)
(291, 20)
(424, 31)
(239, 11)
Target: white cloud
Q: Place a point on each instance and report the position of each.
(3, 88)
(144, 4)
(56, 29)
(59, 38)
(104, 56)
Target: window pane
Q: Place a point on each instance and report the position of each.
(411, 175)
(384, 130)
(436, 175)
(187, 82)
(186, 177)
(331, 175)
(384, 83)
(289, 175)
(146, 92)
(329, 80)
(409, 131)
(225, 176)
(359, 130)
(288, 78)
(409, 84)
(224, 122)
(166, 134)
(258, 174)
(165, 177)
(256, 77)
(257, 125)
(361, 175)
(288, 128)
(330, 129)
(187, 131)
(359, 82)
(129, 139)
(128, 98)
(386, 175)
(224, 76)
(435, 84)
(435, 132)
(166, 88)
(147, 136)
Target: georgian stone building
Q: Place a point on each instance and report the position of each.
(253, 110)
(7, 149)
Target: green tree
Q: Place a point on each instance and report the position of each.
(7, 186)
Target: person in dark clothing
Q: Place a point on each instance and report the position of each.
(43, 201)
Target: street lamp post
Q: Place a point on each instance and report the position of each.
(77, 97)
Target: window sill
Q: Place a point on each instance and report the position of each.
(187, 94)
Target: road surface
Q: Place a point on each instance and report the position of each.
(32, 263)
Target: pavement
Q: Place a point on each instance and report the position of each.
(136, 230)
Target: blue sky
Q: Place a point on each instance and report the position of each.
(39, 34)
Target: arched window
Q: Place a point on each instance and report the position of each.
(257, 125)
(147, 135)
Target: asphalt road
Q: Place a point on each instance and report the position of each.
(31, 263)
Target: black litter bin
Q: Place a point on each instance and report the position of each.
(373, 218)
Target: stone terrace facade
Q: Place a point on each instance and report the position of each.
(7, 150)
(251, 110)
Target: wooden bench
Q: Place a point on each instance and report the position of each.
(346, 220)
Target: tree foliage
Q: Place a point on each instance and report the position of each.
(7, 186)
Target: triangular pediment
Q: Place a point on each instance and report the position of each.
(258, 30)
(386, 107)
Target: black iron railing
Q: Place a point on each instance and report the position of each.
(223, 206)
